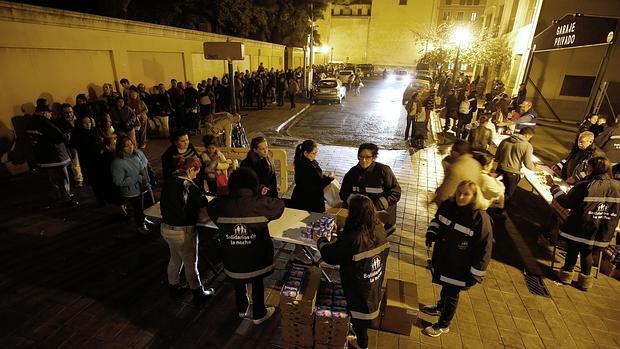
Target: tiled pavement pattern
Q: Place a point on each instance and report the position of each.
(66, 282)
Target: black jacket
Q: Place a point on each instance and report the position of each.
(463, 240)
(595, 206)
(181, 199)
(242, 218)
(575, 164)
(264, 170)
(168, 165)
(48, 142)
(377, 182)
(480, 137)
(87, 144)
(452, 106)
(361, 271)
(309, 184)
(609, 142)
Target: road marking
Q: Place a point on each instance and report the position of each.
(282, 125)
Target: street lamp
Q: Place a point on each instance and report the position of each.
(460, 36)
(324, 51)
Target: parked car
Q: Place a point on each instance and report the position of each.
(367, 69)
(344, 75)
(330, 89)
(419, 86)
(423, 76)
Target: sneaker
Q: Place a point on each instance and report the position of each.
(143, 230)
(432, 310)
(176, 291)
(435, 330)
(270, 311)
(202, 294)
(247, 312)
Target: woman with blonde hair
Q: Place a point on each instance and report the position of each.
(463, 238)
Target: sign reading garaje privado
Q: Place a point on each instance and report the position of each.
(576, 30)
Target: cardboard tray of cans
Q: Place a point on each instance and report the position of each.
(331, 324)
(297, 334)
(323, 227)
(299, 294)
(286, 345)
(328, 346)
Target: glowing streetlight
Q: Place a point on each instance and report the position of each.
(325, 49)
(460, 36)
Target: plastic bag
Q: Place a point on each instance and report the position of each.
(331, 193)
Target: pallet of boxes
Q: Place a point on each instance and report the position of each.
(314, 312)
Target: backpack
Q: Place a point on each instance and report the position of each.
(464, 107)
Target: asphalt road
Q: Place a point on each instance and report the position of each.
(378, 116)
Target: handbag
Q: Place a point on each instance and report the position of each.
(464, 107)
(331, 193)
(221, 182)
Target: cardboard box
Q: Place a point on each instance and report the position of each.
(296, 334)
(301, 308)
(399, 308)
(341, 215)
(327, 346)
(331, 331)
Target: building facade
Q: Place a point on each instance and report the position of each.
(461, 11)
(380, 32)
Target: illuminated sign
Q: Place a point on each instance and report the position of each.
(577, 30)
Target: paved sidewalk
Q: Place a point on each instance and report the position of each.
(66, 282)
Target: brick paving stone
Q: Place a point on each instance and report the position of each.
(511, 338)
(451, 340)
(531, 341)
(603, 337)
(471, 342)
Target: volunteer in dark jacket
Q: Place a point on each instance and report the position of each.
(247, 249)
(361, 251)
(309, 179)
(463, 237)
(181, 198)
(50, 151)
(595, 207)
(609, 142)
(375, 180)
(259, 161)
(573, 168)
(510, 154)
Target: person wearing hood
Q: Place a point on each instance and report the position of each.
(181, 199)
(309, 179)
(375, 180)
(85, 141)
(573, 168)
(242, 218)
(259, 161)
(511, 153)
(460, 165)
(594, 205)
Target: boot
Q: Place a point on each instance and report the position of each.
(176, 291)
(566, 277)
(201, 295)
(585, 282)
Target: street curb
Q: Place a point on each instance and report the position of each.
(282, 125)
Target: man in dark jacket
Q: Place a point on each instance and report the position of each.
(480, 136)
(375, 180)
(609, 142)
(50, 151)
(452, 106)
(247, 249)
(573, 168)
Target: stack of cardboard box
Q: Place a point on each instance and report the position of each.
(332, 319)
(399, 309)
(297, 308)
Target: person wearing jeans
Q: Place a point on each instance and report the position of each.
(181, 200)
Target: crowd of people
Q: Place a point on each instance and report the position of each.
(104, 141)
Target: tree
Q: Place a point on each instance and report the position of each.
(490, 52)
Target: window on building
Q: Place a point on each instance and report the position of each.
(448, 2)
(446, 16)
(369, 11)
(459, 16)
(577, 86)
(474, 16)
(333, 12)
(402, 2)
(462, 2)
(470, 2)
(476, 2)
(359, 11)
(341, 12)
